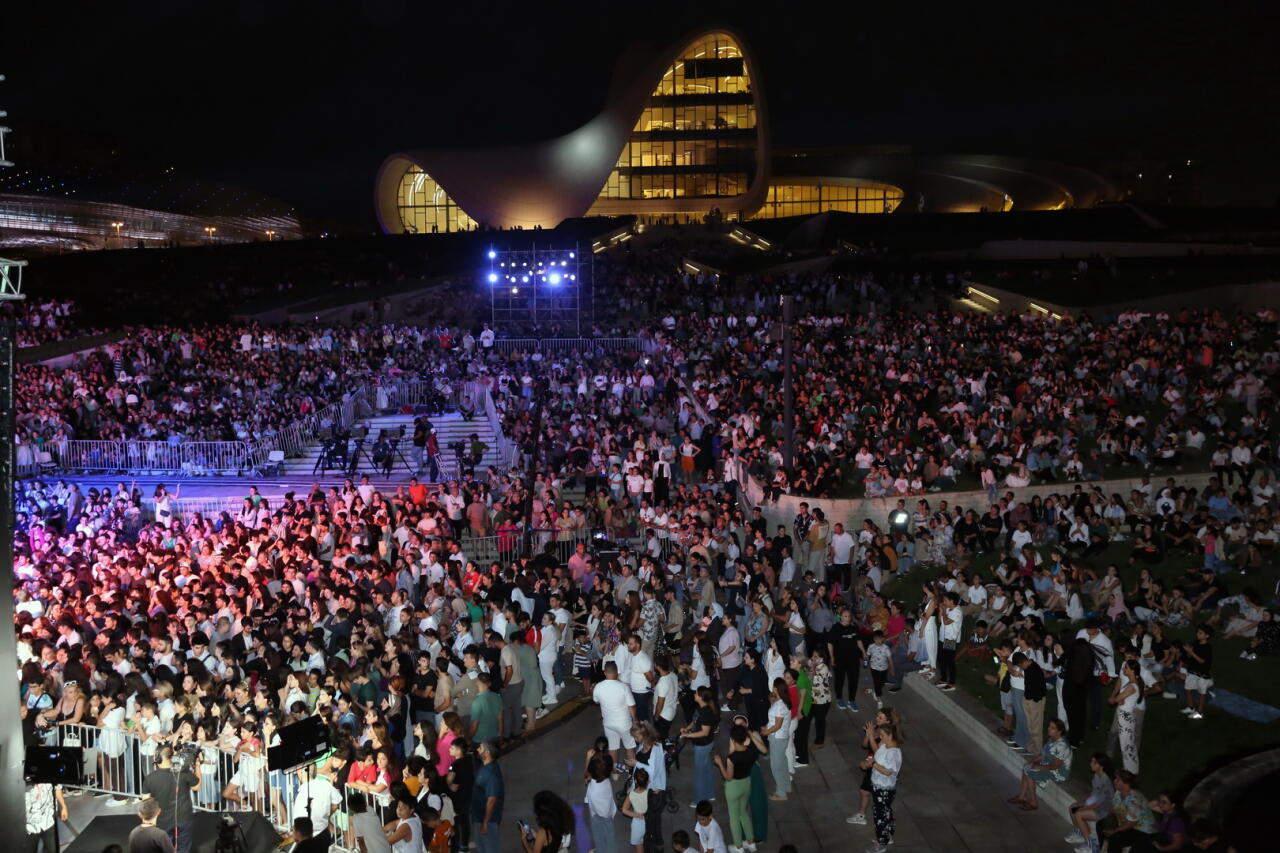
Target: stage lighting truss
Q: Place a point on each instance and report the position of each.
(540, 285)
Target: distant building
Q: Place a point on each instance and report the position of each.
(43, 210)
(684, 134)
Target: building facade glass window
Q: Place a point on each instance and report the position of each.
(696, 137)
(804, 199)
(425, 208)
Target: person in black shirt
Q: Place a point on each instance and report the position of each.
(172, 790)
(1179, 535)
(304, 838)
(846, 640)
(989, 529)
(1199, 665)
(745, 748)
(461, 780)
(147, 837)
(755, 689)
(701, 733)
(966, 531)
(1033, 693)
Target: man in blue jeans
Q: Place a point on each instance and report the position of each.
(487, 795)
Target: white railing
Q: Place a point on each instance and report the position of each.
(506, 346)
(117, 761)
(210, 507)
(185, 459)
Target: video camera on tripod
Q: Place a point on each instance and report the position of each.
(333, 454)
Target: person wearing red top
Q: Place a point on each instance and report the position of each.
(471, 579)
(364, 770)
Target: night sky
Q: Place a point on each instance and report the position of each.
(302, 101)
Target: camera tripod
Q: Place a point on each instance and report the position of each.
(388, 463)
(334, 456)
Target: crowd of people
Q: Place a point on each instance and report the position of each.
(366, 610)
(675, 608)
(890, 401)
(46, 320)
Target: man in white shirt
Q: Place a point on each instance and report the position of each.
(318, 797)
(639, 676)
(617, 711)
(841, 555)
(666, 693)
(1104, 663)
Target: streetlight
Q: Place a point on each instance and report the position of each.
(209, 231)
(117, 226)
(270, 236)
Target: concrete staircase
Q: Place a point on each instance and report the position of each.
(449, 428)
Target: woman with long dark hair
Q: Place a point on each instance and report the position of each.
(553, 831)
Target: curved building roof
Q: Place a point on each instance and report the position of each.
(946, 183)
(685, 131)
(547, 182)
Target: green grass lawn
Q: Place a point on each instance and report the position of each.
(1176, 752)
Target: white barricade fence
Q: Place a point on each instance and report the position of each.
(188, 458)
(117, 762)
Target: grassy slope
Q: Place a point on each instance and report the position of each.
(1175, 752)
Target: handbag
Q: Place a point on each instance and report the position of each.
(949, 645)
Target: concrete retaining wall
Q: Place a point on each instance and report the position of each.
(852, 512)
(973, 721)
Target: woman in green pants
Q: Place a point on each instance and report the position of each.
(745, 748)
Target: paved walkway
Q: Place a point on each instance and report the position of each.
(950, 798)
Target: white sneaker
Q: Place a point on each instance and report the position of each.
(1196, 715)
(1167, 695)
(1185, 711)
(1074, 838)
(735, 849)
(877, 847)
(1083, 848)
(1244, 655)
(540, 713)
(749, 846)
(857, 820)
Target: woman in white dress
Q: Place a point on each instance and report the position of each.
(1127, 698)
(929, 631)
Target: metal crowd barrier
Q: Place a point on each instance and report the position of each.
(506, 547)
(187, 459)
(117, 761)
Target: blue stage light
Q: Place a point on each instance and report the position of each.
(492, 254)
(555, 278)
(493, 278)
